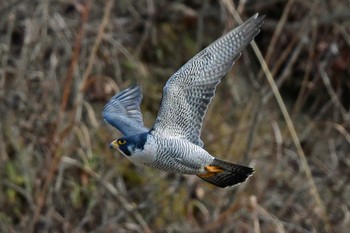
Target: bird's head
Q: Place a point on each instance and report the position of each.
(130, 145)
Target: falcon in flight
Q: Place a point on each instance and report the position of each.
(173, 143)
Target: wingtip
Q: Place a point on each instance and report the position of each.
(134, 86)
(257, 15)
(131, 89)
(258, 18)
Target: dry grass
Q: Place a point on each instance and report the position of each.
(60, 62)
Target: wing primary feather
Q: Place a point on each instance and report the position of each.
(188, 92)
(124, 113)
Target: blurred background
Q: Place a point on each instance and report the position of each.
(60, 62)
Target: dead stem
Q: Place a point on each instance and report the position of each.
(57, 138)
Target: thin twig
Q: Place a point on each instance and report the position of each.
(276, 221)
(302, 37)
(148, 27)
(254, 204)
(295, 138)
(278, 30)
(278, 140)
(57, 140)
(6, 49)
(313, 190)
(342, 130)
(92, 57)
(212, 226)
(288, 69)
(253, 130)
(333, 94)
(301, 95)
(74, 61)
(345, 34)
(130, 207)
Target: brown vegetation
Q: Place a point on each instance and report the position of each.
(60, 61)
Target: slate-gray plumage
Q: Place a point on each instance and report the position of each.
(173, 143)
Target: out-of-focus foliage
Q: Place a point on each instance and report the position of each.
(60, 61)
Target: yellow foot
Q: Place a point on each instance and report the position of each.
(211, 171)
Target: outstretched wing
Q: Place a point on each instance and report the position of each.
(188, 92)
(123, 112)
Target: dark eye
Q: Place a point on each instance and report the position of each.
(121, 141)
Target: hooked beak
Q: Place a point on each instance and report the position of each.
(114, 145)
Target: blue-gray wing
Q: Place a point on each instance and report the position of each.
(123, 112)
(188, 92)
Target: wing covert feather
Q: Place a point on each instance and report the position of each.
(123, 111)
(189, 91)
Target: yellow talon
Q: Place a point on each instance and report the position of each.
(211, 171)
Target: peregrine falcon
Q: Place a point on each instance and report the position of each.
(173, 143)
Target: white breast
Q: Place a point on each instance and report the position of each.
(147, 155)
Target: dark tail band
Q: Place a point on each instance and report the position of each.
(229, 175)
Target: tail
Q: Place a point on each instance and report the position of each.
(224, 174)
